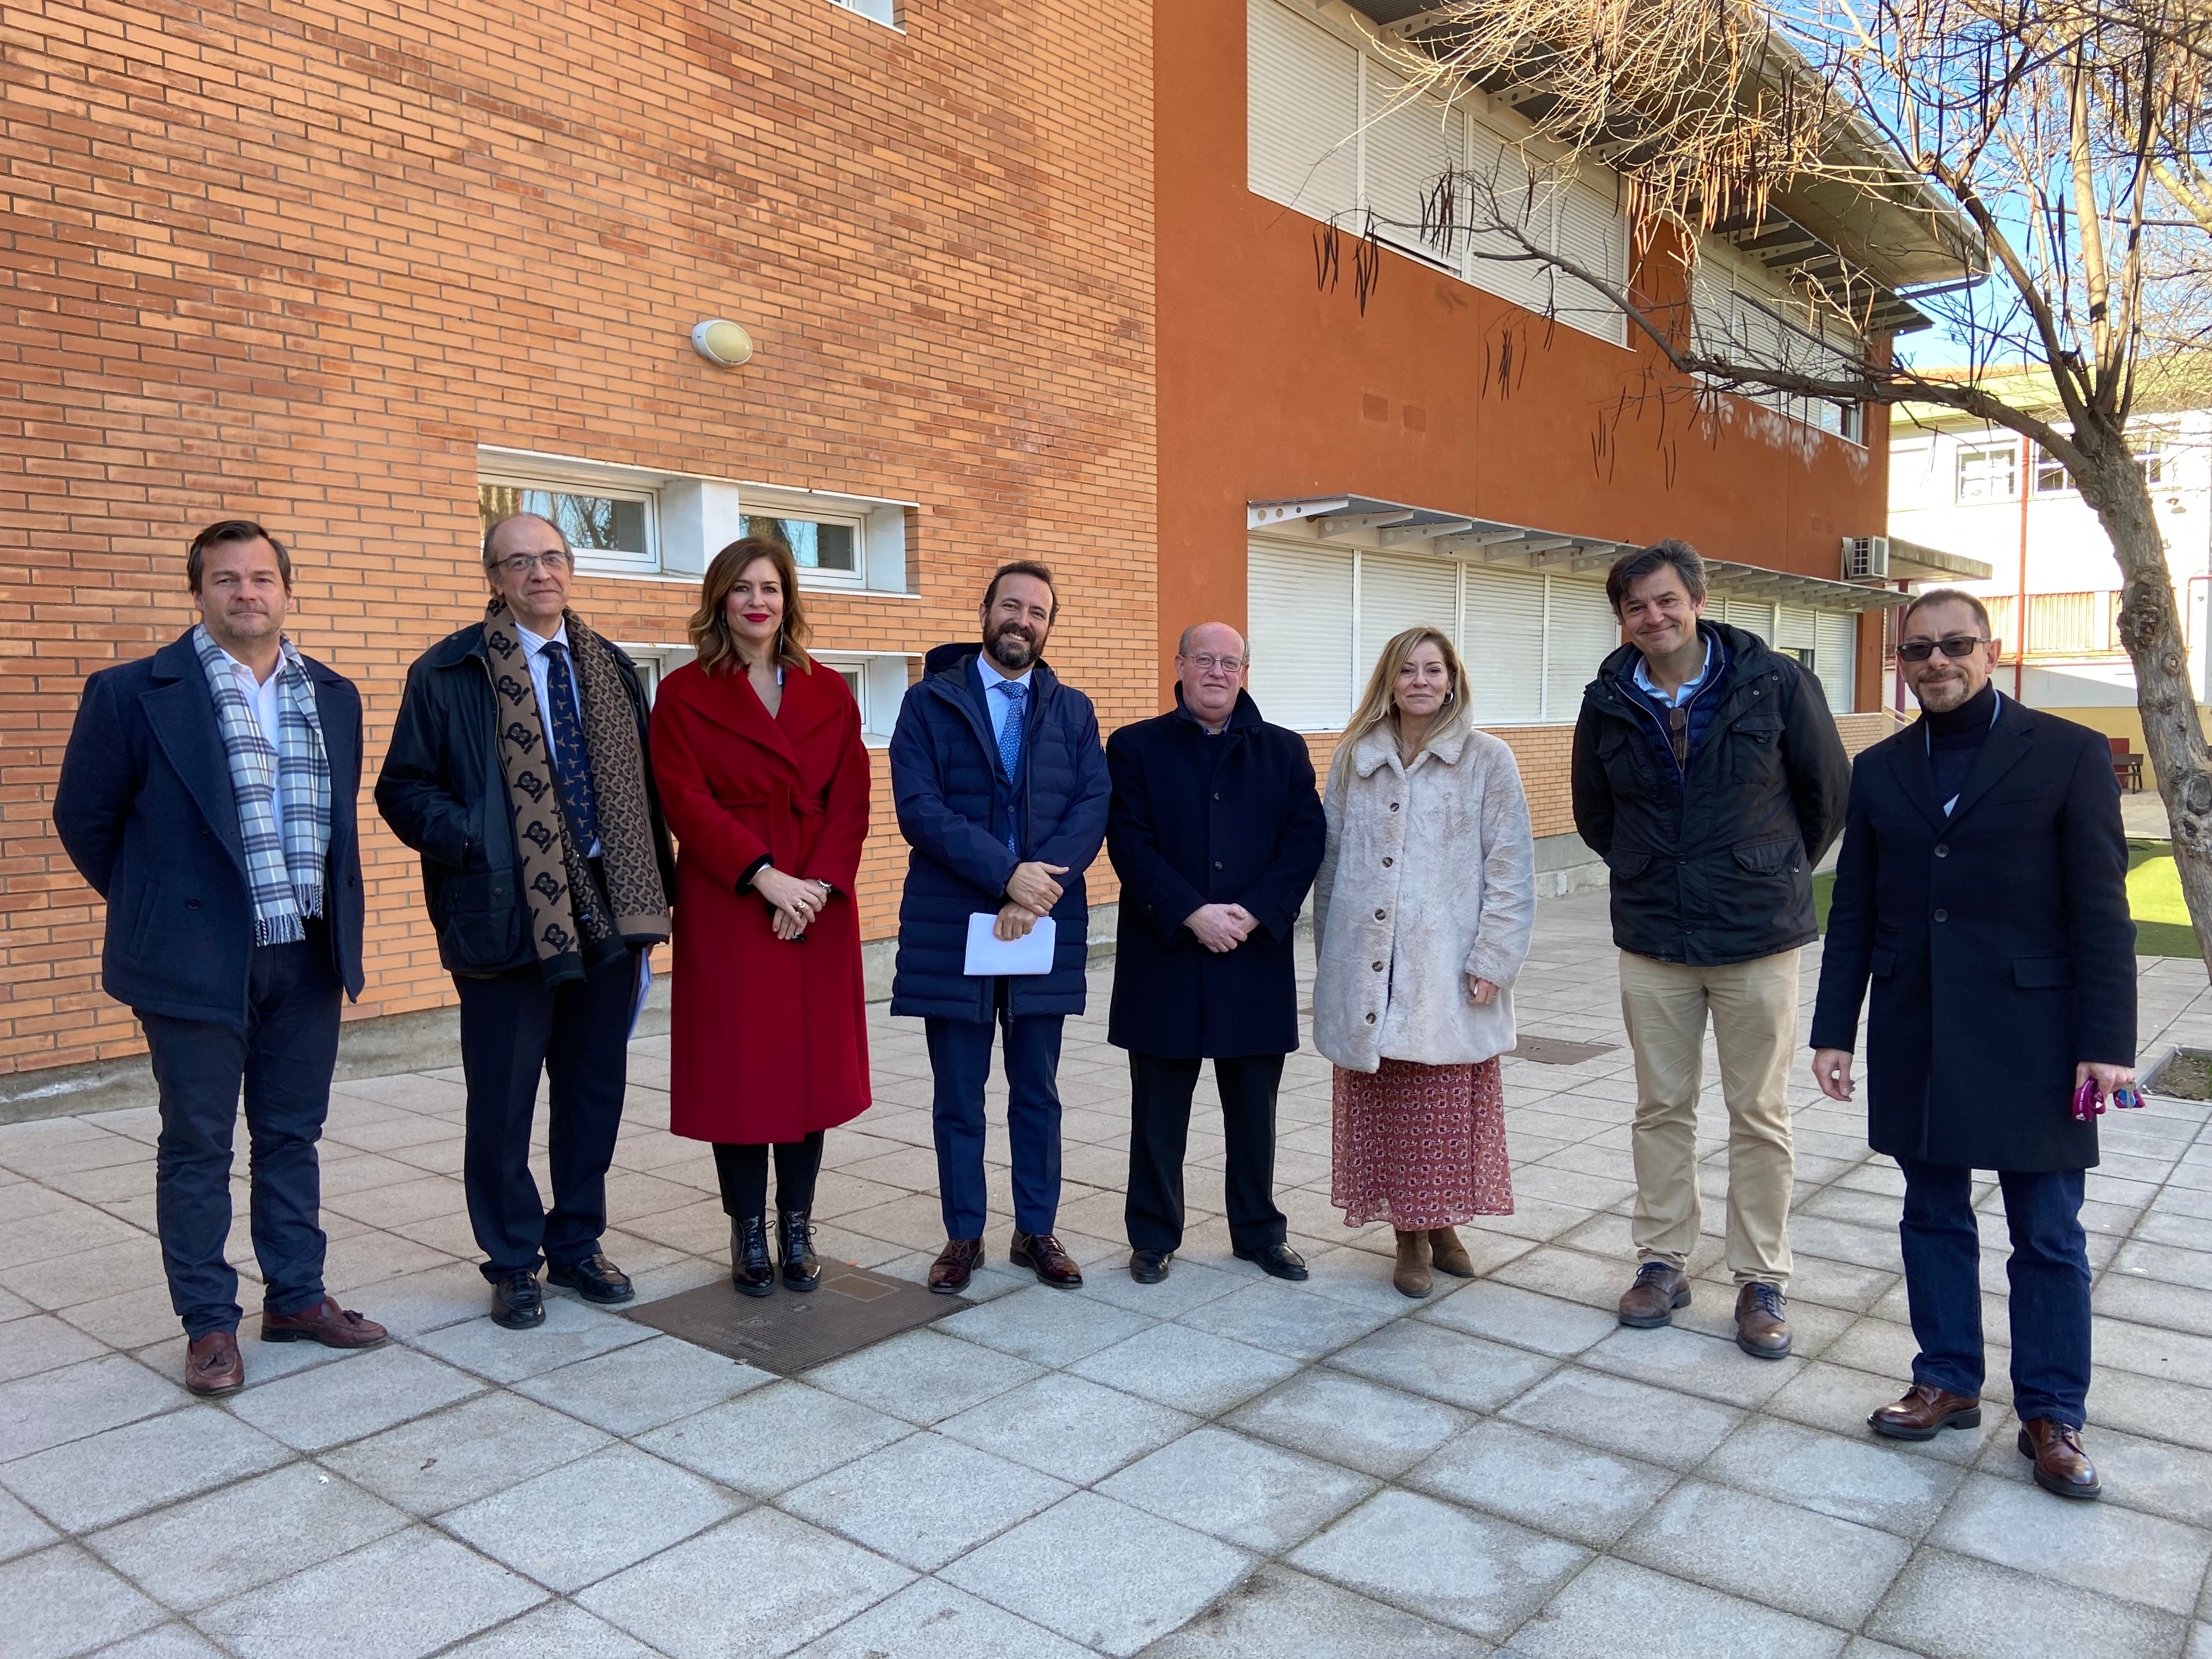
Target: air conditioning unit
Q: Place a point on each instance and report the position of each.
(1866, 558)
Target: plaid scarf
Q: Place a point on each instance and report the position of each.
(286, 870)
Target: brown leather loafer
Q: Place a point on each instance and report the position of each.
(1761, 1329)
(2061, 1464)
(1042, 1254)
(1651, 1300)
(955, 1265)
(1925, 1411)
(213, 1364)
(326, 1323)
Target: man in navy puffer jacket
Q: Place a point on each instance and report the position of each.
(1001, 787)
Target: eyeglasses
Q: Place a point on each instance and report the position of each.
(1959, 645)
(1205, 662)
(521, 565)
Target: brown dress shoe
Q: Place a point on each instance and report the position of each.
(326, 1323)
(1042, 1254)
(1651, 1300)
(1411, 1274)
(1924, 1411)
(955, 1265)
(1448, 1255)
(213, 1364)
(2061, 1464)
(1761, 1329)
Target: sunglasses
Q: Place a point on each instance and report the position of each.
(1959, 645)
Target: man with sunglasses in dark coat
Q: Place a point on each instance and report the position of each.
(1983, 890)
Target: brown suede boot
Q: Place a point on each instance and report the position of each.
(1448, 1254)
(1411, 1275)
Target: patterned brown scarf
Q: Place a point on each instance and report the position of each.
(572, 922)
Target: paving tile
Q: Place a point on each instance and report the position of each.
(254, 1533)
(1188, 1284)
(359, 1395)
(41, 1343)
(1834, 1398)
(1277, 1612)
(1079, 1431)
(925, 1499)
(1853, 1477)
(1242, 1491)
(2153, 1408)
(1543, 1482)
(164, 1642)
(1186, 1369)
(573, 1331)
(2153, 1475)
(20, 1531)
(1067, 1570)
(774, 1439)
(559, 1630)
(1672, 1358)
(457, 1456)
(1467, 1570)
(404, 1596)
(644, 1384)
(1950, 1606)
(1625, 1416)
(61, 1602)
(1286, 1319)
(1049, 1326)
(1462, 1370)
(923, 1376)
(754, 1587)
(1349, 1420)
(1522, 1318)
(56, 1407)
(575, 1524)
(2099, 1546)
(1619, 1609)
(1830, 1570)
(140, 1466)
(930, 1619)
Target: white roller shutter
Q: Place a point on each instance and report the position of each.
(1799, 629)
(1503, 645)
(1398, 593)
(1583, 632)
(1302, 112)
(1747, 614)
(1411, 141)
(1297, 604)
(1591, 232)
(1837, 662)
(1493, 267)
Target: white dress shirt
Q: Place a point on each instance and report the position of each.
(533, 648)
(261, 697)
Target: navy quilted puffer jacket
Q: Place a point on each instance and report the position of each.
(955, 806)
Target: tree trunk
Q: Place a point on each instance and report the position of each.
(2150, 628)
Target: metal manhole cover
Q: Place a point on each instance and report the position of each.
(788, 1333)
(1557, 1051)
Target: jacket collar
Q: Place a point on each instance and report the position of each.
(1242, 718)
(462, 644)
(1377, 746)
(180, 660)
(2007, 745)
(730, 702)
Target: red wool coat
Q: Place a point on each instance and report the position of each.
(769, 1037)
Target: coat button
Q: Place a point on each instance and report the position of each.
(1394, 805)
(192, 904)
(1943, 852)
(1216, 864)
(1217, 794)
(1370, 1019)
(1376, 966)
(1388, 862)
(1378, 915)
(1942, 915)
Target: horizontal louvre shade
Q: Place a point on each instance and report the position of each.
(1837, 660)
(1297, 605)
(1412, 142)
(1503, 643)
(1583, 632)
(1302, 85)
(1396, 594)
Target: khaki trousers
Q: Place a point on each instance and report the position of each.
(1754, 1006)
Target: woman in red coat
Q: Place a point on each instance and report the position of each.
(757, 751)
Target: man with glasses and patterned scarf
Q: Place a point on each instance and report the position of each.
(208, 796)
(519, 770)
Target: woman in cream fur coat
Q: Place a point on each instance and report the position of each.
(1422, 912)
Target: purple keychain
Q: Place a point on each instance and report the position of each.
(2089, 1100)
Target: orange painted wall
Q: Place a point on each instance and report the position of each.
(1271, 388)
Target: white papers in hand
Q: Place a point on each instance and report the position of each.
(992, 956)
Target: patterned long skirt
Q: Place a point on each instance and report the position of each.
(1420, 1146)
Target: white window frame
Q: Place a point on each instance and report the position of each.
(770, 503)
(592, 562)
(1968, 452)
(655, 662)
(884, 677)
(876, 11)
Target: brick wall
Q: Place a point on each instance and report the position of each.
(296, 263)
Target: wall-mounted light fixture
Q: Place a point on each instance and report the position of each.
(721, 342)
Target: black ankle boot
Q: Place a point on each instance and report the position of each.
(794, 1243)
(751, 1270)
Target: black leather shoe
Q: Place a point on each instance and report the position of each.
(595, 1279)
(1277, 1261)
(794, 1248)
(1150, 1266)
(751, 1270)
(517, 1302)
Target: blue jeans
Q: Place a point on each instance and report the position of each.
(2049, 1270)
(960, 1064)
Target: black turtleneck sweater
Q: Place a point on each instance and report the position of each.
(1954, 738)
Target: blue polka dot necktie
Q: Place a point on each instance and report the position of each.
(565, 726)
(1009, 742)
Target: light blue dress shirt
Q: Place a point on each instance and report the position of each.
(998, 703)
(1689, 686)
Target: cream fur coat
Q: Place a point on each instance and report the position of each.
(1428, 876)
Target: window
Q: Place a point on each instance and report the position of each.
(1737, 314)
(613, 531)
(878, 11)
(878, 680)
(2150, 458)
(827, 545)
(2051, 474)
(1988, 473)
(1835, 657)
(655, 663)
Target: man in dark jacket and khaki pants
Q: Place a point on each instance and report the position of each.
(1708, 774)
(1982, 890)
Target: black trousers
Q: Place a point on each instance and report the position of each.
(743, 1171)
(512, 1029)
(283, 1057)
(1160, 1091)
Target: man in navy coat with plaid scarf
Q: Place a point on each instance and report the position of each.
(207, 795)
